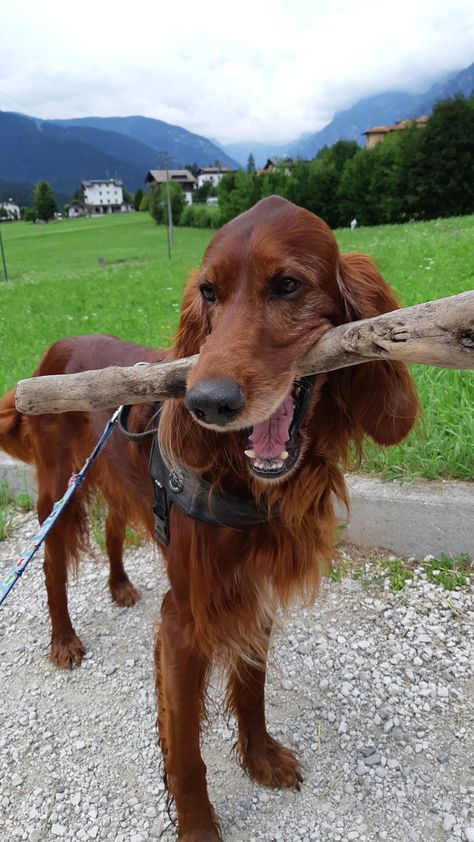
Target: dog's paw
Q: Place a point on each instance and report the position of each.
(200, 836)
(273, 765)
(124, 593)
(67, 651)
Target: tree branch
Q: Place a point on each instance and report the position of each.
(439, 333)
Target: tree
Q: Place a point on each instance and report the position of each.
(145, 202)
(44, 203)
(77, 197)
(447, 146)
(137, 199)
(29, 214)
(155, 205)
(251, 163)
(354, 190)
(383, 198)
(237, 192)
(201, 194)
(194, 168)
(159, 203)
(325, 173)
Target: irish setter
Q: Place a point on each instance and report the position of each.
(271, 282)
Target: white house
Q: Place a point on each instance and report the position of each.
(12, 210)
(211, 175)
(74, 211)
(103, 196)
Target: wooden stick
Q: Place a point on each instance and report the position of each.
(439, 333)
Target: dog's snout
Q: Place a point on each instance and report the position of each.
(216, 401)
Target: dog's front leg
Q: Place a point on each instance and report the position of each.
(263, 758)
(180, 681)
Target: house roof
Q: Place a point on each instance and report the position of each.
(378, 130)
(160, 177)
(90, 183)
(209, 170)
(399, 125)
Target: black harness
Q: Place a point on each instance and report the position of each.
(191, 492)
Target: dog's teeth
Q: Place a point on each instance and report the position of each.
(250, 453)
(283, 455)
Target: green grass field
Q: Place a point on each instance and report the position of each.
(56, 287)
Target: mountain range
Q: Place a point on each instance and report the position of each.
(66, 152)
(382, 109)
(350, 124)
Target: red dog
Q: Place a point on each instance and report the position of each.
(271, 282)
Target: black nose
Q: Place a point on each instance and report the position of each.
(215, 401)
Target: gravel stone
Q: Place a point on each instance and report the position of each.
(373, 759)
(365, 674)
(448, 822)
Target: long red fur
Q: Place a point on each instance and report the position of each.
(225, 584)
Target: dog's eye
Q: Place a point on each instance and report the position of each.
(208, 293)
(285, 287)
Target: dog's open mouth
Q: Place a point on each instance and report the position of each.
(273, 445)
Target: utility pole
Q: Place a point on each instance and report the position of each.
(5, 273)
(168, 202)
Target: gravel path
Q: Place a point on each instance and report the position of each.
(374, 689)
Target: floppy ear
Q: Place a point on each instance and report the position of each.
(193, 326)
(382, 397)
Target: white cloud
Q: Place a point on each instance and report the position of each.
(259, 70)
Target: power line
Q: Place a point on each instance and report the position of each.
(21, 104)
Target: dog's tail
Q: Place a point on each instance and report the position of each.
(14, 430)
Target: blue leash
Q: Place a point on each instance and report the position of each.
(11, 578)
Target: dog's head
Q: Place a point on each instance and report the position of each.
(272, 282)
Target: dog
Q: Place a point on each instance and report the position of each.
(263, 445)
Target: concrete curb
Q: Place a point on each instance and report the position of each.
(410, 519)
(18, 476)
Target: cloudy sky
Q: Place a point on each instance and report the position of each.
(253, 70)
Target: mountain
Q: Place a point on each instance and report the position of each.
(382, 109)
(379, 110)
(458, 83)
(183, 147)
(31, 150)
(21, 193)
(260, 151)
(66, 152)
(346, 125)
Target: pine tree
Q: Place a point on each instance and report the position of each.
(251, 163)
(45, 205)
(138, 199)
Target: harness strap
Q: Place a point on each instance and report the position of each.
(191, 492)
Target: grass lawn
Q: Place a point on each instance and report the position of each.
(56, 287)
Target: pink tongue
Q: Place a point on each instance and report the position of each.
(269, 438)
